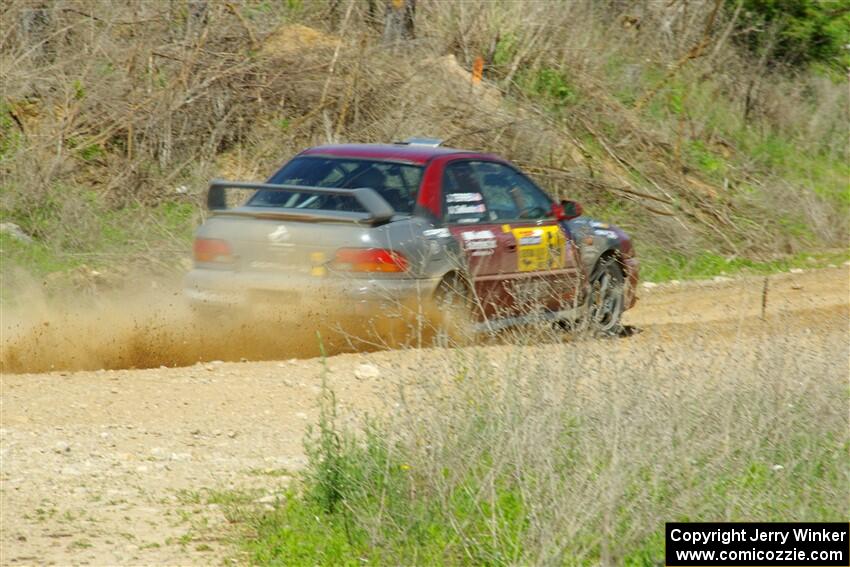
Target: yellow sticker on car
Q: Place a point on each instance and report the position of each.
(539, 248)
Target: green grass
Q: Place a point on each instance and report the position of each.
(711, 164)
(658, 265)
(549, 86)
(38, 258)
(113, 236)
(825, 174)
(112, 242)
(326, 520)
(378, 518)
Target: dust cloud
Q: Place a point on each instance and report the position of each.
(152, 325)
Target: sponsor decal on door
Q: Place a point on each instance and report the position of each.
(479, 242)
(539, 248)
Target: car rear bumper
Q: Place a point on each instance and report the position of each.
(297, 296)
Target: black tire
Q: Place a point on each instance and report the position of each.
(455, 312)
(606, 301)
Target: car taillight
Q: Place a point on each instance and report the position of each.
(212, 250)
(369, 260)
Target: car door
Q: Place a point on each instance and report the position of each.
(541, 267)
(483, 245)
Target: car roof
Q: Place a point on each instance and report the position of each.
(413, 153)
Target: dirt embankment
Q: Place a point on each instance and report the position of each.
(125, 466)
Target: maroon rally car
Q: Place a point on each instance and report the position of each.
(381, 229)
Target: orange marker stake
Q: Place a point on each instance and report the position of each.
(477, 70)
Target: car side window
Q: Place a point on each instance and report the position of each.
(509, 195)
(463, 202)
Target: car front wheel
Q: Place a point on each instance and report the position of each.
(606, 302)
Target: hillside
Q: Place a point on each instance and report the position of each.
(654, 115)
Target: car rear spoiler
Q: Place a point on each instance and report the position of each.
(377, 209)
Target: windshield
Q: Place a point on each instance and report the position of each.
(396, 183)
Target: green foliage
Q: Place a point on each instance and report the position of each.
(551, 85)
(330, 454)
(10, 135)
(79, 90)
(505, 50)
(91, 152)
(807, 31)
(707, 161)
(648, 552)
(87, 152)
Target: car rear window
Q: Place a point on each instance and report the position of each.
(396, 183)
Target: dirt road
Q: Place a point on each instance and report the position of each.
(132, 466)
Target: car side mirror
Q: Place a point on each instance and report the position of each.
(572, 209)
(558, 212)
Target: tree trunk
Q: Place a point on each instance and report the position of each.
(196, 18)
(399, 20)
(35, 24)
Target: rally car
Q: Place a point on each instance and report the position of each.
(371, 230)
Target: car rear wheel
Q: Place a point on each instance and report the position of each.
(606, 302)
(455, 306)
